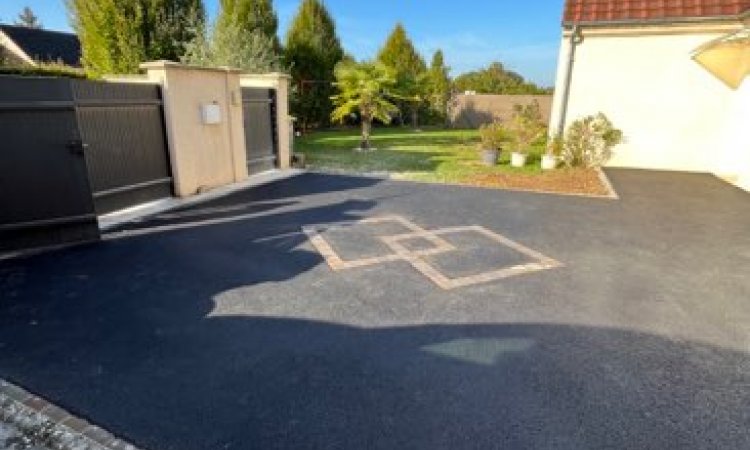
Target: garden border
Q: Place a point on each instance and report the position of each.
(611, 192)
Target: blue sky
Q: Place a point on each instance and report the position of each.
(522, 34)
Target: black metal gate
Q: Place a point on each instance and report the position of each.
(122, 128)
(72, 149)
(259, 116)
(45, 197)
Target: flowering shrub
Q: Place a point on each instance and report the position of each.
(527, 126)
(589, 141)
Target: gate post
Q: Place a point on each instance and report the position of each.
(280, 83)
(203, 116)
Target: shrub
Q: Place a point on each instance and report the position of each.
(589, 141)
(493, 136)
(555, 146)
(527, 126)
(231, 46)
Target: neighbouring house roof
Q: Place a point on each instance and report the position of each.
(45, 45)
(645, 11)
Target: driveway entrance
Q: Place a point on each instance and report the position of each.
(225, 325)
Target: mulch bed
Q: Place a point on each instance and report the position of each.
(562, 181)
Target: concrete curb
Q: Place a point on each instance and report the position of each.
(57, 428)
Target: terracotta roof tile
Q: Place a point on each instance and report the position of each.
(648, 10)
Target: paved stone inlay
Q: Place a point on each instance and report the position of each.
(417, 258)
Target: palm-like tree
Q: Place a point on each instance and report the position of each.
(364, 89)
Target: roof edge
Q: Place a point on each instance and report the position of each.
(660, 21)
(67, 33)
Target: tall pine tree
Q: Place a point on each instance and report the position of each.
(117, 35)
(312, 52)
(439, 85)
(400, 55)
(250, 16)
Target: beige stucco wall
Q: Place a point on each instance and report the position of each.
(202, 156)
(279, 82)
(471, 111)
(675, 115)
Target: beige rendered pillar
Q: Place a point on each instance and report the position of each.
(203, 118)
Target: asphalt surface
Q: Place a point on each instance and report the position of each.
(221, 327)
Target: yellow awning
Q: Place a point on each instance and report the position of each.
(728, 58)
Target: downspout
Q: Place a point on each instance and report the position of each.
(576, 37)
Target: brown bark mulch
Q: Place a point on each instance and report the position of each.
(561, 181)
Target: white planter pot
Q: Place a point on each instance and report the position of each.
(549, 162)
(517, 159)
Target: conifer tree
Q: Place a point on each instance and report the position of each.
(399, 54)
(117, 35)
(439, 82)
(250, 16)
(312, 51)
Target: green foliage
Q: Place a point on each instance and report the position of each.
(497, 80)
(117, 35)
(438, 85)
(364, 89)
(43, 69)
(399, 54)
(555, 146)
(589, 141)
(28, 19)
(172, 24)
(312, 51)
(232, 46)
(493, 136)
(527, 126)
(250, 16)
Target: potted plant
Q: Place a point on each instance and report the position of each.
(528, 127)
(550, 157)
(492, 136)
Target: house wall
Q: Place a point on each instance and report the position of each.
(674, 114)
(737, 144)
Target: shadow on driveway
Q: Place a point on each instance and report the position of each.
(125, 333)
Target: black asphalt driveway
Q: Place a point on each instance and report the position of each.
(221, 327)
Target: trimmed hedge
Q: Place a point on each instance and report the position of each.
(46, 70)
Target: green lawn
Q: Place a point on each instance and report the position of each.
(432, 155)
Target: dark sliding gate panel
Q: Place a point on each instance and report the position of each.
(45, 197)
(122, 127)
(259, 116)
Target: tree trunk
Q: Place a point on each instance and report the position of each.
(366, 126)
(415, 117)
